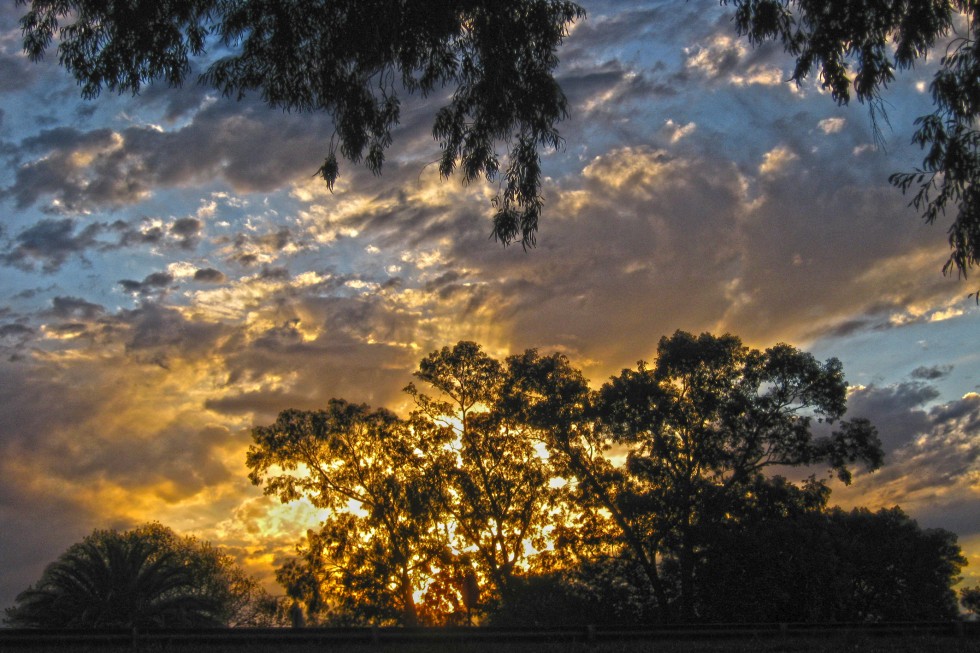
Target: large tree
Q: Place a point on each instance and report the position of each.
(380, 482)
(697, 429)
(554, 401)
(145, 577)
(891, 569)
(353, 58)
(497, 492)
(709, 417)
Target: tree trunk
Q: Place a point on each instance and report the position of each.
(410, 616)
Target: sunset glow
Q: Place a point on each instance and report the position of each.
(174, 275)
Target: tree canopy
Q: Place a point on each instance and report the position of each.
(355, 59)
(497, 492)
(696, 429)
(970, 598)
(379, 480)
(145, 577)
(352, 59)
(514, 480)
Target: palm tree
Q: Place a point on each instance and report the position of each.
(115, 580)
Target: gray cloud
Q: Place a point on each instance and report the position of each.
(16, 72)
(933, 474)
(932, 373)
(155, 333)
(152, 283)
(187, 231)
(75, 307)
(51, 243)
(138, 233)
(227, 140)
(14, 330)
(209, 275)
(896, 411)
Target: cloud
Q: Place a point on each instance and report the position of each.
(51, 243)
(75, 308)
(156, 333)
(933, 470)
(776, 160)
(832, 125)
(209, 275)
(153, 282)
(727, 58)
(104, 168)
(897, 411)
(15, 330)
(187, 231)
(932, 373)
(676, 132)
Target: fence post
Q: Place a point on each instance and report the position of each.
(590, 634)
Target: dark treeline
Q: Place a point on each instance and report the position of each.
(146, 577)
(516, 494)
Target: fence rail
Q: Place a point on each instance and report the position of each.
(176, 639)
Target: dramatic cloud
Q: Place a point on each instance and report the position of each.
(187, 231)
(84, 170)
(175, 274)
(935, 474)
(75, 307)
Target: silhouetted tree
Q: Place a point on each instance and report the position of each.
(970, 599)
(380, 480)
(556, 404)
(497, 492)
(771, 558)
(708, 418)
(146, 577)
(505, 475)
(890, 569)
(352, 59)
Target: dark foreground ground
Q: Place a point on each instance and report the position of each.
(913, 644)
(918, 637)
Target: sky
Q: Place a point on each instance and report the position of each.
(173, 274)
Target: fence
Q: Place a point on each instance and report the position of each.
(178, 639)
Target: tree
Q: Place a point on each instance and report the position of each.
(705, 421)
(216, 575)
(146, 577)
(698, 428)
(890, 569)
(497, 492)
(380, 481)
(970, 598)
(771, 559)
(351, 59)
(558, 407)
(356, 56)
